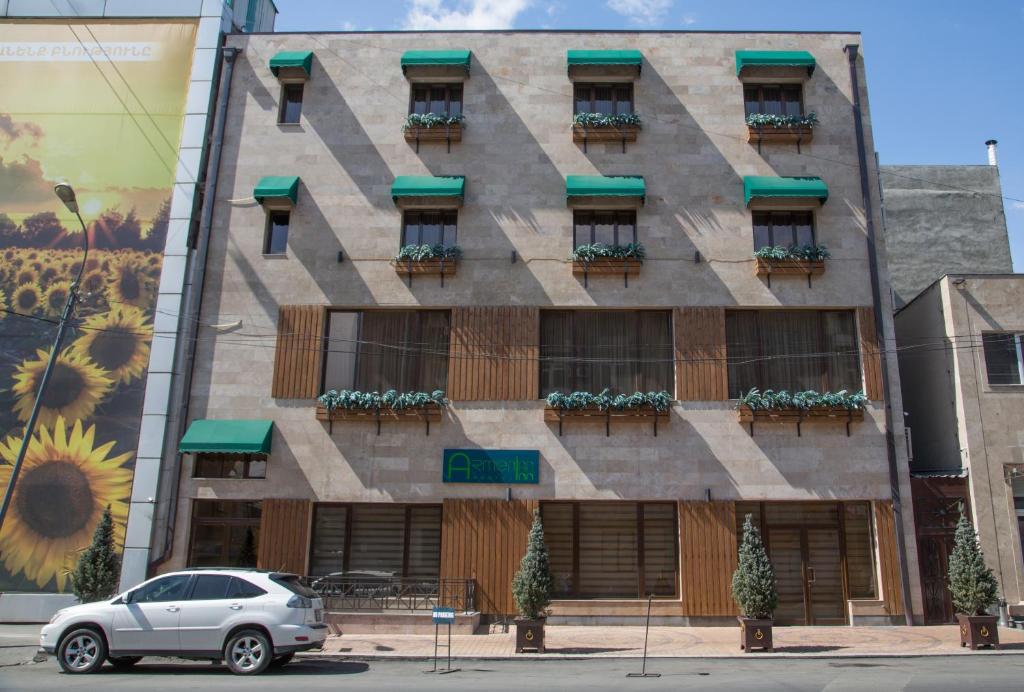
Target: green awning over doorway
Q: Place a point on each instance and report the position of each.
(604, 186)
(428, 186)
(436, 58)
(227, 437)
(768, 186)
(605, 57)
(277, 186)
(774, 58)
(302, 59)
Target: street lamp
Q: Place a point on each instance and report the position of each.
(67, 195)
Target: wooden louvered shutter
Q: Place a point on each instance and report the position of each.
(493, 354)
(299, 355)
(284, 535)
(870, 355)
(707, 533)
(702, 373)
(891, 586)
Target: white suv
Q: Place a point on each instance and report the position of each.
(250, 619)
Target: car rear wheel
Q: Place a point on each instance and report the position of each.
(124, 662)
(82, 651)
(248, 652)
(282, 660)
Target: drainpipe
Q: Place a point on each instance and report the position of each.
(188, 320)
(876, 301)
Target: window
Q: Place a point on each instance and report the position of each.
(590, 350)
(210, 587)
(439, 99)
(783, 228)
(608, 227)
(291, 104)
(240, 588)
(224, 533)
(404, 350)
(276, 240)
(607, 99)
(774, 99)
(170, 588)
(230, 466)
(612, 549)
(1003, 358)
(386, 539)
(795, 350)
(429, 227)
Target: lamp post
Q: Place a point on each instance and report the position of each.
(67, 196)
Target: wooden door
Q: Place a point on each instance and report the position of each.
(785, 550)
(934, 554)
(823, 569)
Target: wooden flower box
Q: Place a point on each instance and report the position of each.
(782, 134)
(430, 267)
(798, 416)
(789, 267)
(608, 265)
(645, 413)
(420, 414)
(604, 133)
(439, 133)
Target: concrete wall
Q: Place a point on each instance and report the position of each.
(942, 220)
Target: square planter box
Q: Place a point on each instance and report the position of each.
(609, 133)
(440, 133)
(789, 267)
(755, 634)
(628, 266)
(428, 267)
(978, 630)
(530, 635)
(783, 135)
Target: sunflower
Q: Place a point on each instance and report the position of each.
(129, 284)
(9, 254)
(92, 288)
(55, 297)
(27, 299)
(48, 274)
(3, 304)
(92, 264)
(27, 275)
(65, 484)
(76, 386)
(117, 341)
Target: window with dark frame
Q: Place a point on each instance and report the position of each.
(387, 539)
(378, 350)
(612, 227)
(275, 241)
(225, 533)
(774, 99)
(230, 466)
(783, 228)
(794, 350)
(1003, 361)
(624, 351)
(612, 549)
(291, 104)
(606, 99)
(430, 227)
(438, 99)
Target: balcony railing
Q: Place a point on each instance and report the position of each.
(351, 592)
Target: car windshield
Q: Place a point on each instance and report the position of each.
(292, 583)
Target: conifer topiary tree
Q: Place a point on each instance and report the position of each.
(532, 585)
(98, 570)
(753, 582)
(971, 582)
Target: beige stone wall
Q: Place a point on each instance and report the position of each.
(515, 154)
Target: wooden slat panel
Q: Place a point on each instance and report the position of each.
(701, 369)
(284, 535)
(870, 354)
(707, 533)
(485, 540)
(487, 351)
(299, 354)
(890, 585)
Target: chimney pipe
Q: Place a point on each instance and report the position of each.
(991, 144)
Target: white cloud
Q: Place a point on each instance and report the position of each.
(348, 26)
(1019, 206)
(642, 12)
(463, 14)
(689, 19)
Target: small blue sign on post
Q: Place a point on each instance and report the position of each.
(505, 466)
(443, 616)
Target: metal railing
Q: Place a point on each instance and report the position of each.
(340, 592)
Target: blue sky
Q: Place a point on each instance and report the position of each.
(944, 75)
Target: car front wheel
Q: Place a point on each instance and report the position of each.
(82, 651)
(248, 652)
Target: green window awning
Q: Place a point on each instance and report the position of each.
(277, 186)
(227, 437)
(436, 58)
(605, 57)
(766, 186)
(604, 186)
(774, 58)
(302, 59)
(428, 186)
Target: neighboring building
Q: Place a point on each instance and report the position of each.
(123, 117)
(319, 187)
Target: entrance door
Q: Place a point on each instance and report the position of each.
(933, 552)
(808, 571)
(786, 554)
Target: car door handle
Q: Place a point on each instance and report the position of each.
(236, 606)
(173, 609)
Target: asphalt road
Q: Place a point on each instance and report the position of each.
(974, 673)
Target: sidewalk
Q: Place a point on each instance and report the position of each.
(675, 642)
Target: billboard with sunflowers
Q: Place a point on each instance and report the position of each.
(99, 104)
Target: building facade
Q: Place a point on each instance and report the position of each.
(332, 165)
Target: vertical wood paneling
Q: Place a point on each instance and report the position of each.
(284, 535)
(485, 540)
(299, 354)
(870, 354)
(701, 369)
(890, 584)
(707, 549)
(493, 354)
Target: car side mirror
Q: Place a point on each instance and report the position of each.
(127, 598)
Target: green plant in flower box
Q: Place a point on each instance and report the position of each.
(431, 120)
(591, 252)
(606, 119)
(421, 253)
